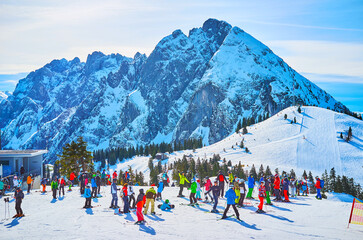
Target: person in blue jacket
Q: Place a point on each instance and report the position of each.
(94, 186)
(87, 196)
(166, 206)
(285, 188)
(251, 184)
(231, 201)
(114, 190)
(159, 190)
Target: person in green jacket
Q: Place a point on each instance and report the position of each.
(193, 191)
(54, 187)
(182, 181)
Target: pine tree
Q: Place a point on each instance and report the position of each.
(253, 172)
(350, 134)
(292, 174)
(339, 185)
(75, 157)
(268, 171)
(244, 131)
(260, 172)
(239, 126)
(332, 180)
(311, 180)
(299, 109)
(304, 175)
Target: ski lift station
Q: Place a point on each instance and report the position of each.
(12, 160)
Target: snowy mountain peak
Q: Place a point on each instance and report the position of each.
(198, 85)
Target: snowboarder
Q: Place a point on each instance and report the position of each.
(216, 191)
(193, 191)
(160, 189)
(166, 205)
(261, 196)
(208, 185)
(150, 199)
(182, 181)
(19, 196)
(131, 196)
(61, 185)
(231, 201)
(242, 187)
(318, 188)
(54, 187)
(141, 198)
(114, 194)
(87, 196)
(251, 184)
(29, 181)
(221, 178)
(94, 186)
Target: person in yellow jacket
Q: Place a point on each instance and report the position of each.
(150, 198)
(237, 190)
(182, 181)
(230, 177)
(29, 181)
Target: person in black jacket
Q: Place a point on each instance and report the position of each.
(98, 182)
(215, 191)
(19, 195)
(242, 187)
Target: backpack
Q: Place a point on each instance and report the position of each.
(321, 183)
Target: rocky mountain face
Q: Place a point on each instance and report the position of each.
(198, 85)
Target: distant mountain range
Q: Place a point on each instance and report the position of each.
(195, 85)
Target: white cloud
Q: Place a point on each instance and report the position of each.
(321, 57)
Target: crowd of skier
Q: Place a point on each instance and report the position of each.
(279, 187)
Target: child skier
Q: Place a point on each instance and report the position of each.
(141, 198)
(125, 199)
(237, 190)
(215, 190)
(193, 191)
(268, 189)
(160, 189)
(231, 201)
(72, 176)
(261, 195)
(94, 186)
(44, 184)
(208, 185)
(87, 196)
(54, 187)
(199, 190)
(19, 196)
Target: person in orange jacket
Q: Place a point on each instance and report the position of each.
(72, 176)
(29, 181)
(141, 199)
(277, 188)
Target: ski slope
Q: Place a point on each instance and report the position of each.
(312, 144)
(304, 218)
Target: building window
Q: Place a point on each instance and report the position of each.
(4, 162)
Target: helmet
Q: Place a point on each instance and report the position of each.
(167, 201)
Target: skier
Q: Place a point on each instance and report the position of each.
(160, 189)
(29, 181)
(231, 201)
(237, 190)
(242, 188)
(216, 191)
(150, 198)
(193, 191)
(125, 198)
(208, 185)
(165, 178)
(131, 196)
(15, 182)
(54, 187)
(221, 178)
(103, 177)
(199, 190)
(304, 187)
(94, 186)
(62, 183)
(166, 205)
(114, 175)
(182, 181)
(268, 188)
(251, 184)
(98, 183)
(293, 187)
(114, 194)
(19, 196)
(139, 204)
(2, 189)
(87, 196)
(127, 176)
(44, 184)
(285, 188)
(72, 176)
(318, 188)
(277, 188)
(230, 177)
(261, 195)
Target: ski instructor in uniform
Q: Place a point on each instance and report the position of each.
(221, 178)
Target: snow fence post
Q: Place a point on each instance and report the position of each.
(351, 212)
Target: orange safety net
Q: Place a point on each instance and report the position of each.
(356, 215)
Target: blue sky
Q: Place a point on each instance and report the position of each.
(323, 40)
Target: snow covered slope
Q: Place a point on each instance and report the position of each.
(304, 218)
(191, 86)
(312, 144)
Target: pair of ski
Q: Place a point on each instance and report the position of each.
(191, 204)
(230, 216)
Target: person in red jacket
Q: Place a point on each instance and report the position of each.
(277, 188)
(114, 175)
(261, 196)
(141, 199)
(318, 188)
(72, 176)
(221, 178)
(62, 183)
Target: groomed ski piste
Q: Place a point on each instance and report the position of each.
(303, 218)
(313, 144)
